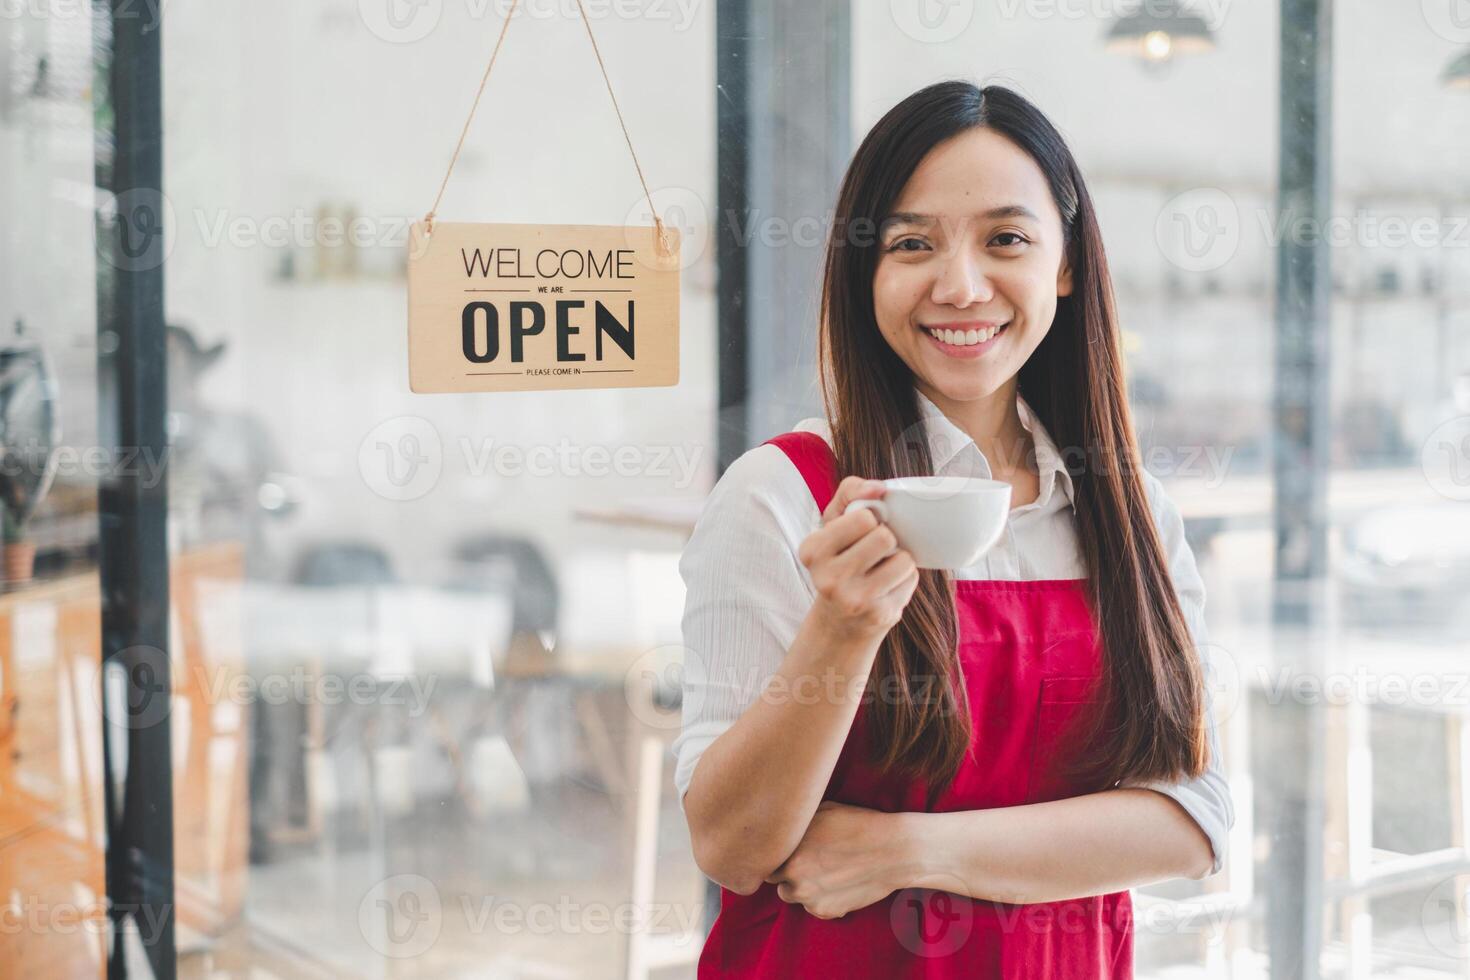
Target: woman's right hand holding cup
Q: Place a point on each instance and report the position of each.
(864, 580)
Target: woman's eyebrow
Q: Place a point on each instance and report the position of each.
(924, 220)
(907, 218)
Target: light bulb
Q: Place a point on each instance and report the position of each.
(1157, 45)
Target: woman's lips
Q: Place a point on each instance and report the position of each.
(965, 351)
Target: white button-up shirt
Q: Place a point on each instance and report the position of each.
(747, 592)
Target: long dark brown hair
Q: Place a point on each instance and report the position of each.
(1148, 724)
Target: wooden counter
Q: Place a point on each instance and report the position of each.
(52, 840)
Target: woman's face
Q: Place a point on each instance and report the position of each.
(972, 249)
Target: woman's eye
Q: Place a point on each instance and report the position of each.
(898, 246)
(1019, 239)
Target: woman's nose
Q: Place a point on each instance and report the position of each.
(961, 282)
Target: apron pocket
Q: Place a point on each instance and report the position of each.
(1060, 706)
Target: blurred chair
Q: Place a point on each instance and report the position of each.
(344, 563)
(513, 565)
(542, 690)
(290, 741)
(1361, 875)
(421, 632)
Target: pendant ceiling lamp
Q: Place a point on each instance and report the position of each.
(1158, 30)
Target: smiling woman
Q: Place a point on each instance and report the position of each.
(1011, 744)
(952, 245)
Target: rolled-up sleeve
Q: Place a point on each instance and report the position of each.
(1206, 798)
(746, 595)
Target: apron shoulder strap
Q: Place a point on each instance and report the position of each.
(814, 460)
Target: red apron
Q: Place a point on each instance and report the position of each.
(1031, 656)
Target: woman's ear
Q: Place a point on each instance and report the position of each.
(1064, 275)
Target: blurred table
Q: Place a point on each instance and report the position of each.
(676, 514)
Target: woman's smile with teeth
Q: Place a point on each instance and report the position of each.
(964, 338)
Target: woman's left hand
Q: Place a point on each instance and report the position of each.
(849, 858)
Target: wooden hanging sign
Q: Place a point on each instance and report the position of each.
(494, 307)
(497, 307)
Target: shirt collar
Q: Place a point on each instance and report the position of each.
(947, 441)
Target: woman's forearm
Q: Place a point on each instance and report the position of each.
(1045, 852)
(756, 787)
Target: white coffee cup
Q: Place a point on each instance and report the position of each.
(943, 521)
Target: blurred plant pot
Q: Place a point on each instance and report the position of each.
(20, 560)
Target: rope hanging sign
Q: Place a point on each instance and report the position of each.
(515, 307)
